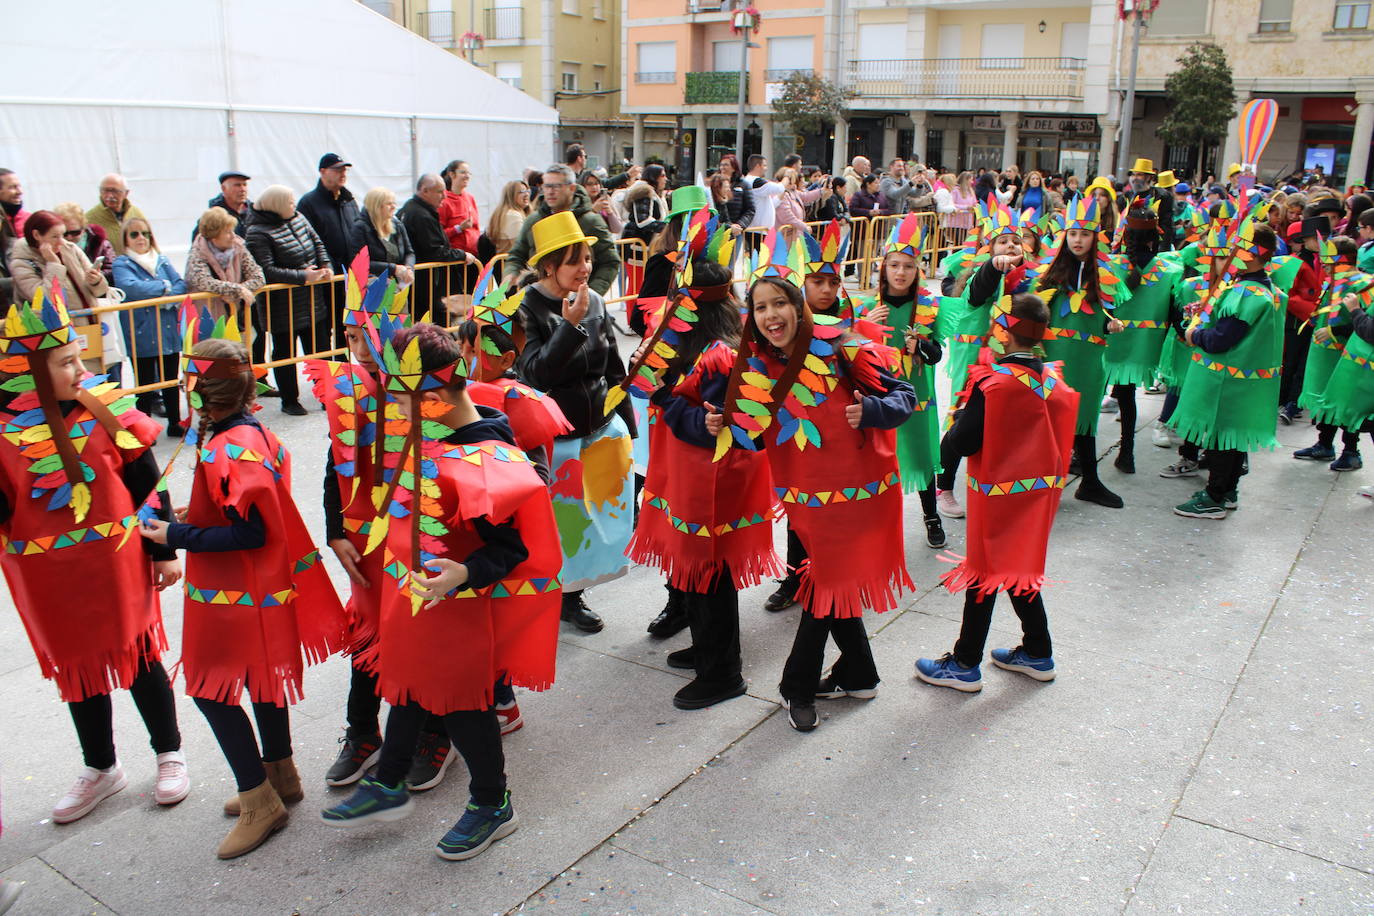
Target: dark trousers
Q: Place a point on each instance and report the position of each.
(796, 556)
(927, 497)
(1295, 346)
(1125, 400)
(152, 693)
(232, 730)
(151, 369)
(1224, 469)
(364, 705)
(474, 732)
(854, 668)
(1170, 402)
(973, 634)
(284, 347)
(949, 462)
(1085, 451)
(1350, 439)
(714, 620)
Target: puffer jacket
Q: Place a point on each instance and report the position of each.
(739, 209)
(574, 365)
(284, 249)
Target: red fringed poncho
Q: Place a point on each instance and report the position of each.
(89, 643)
(254, 618)
(698, 514)
(448, 657)
(535, 418)
(1016, 478)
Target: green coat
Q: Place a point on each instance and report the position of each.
(1078, 339)
(1323, 357)
(1347, 399)
(1133, 353)
(1228, 399)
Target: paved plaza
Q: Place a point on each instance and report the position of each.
(1206, 749)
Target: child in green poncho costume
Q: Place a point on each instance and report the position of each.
(1333, 329)
(1082, 288)
(1132, 355)
(1227, 404)
(909, 314)
(1348, 400)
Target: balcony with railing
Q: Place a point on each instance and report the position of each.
(505, 23)
(713, 87)
(437, 26)
(779, 76)
(969, 78)
(655, 76)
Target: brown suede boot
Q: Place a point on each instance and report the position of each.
(283, 777)
(263, 815)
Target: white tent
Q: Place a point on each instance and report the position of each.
(172, 92)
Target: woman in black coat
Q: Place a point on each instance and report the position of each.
(283, 243)
(739, 209)
(385, 237)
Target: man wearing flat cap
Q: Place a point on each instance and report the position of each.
(233, 199)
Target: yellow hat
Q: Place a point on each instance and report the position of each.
(556, 232)
(1100, 182)
(1144, 166)
(1165, 179)
(1232, 169)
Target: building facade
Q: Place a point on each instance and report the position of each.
(958, 83)
(565, 53)
(1315, 58)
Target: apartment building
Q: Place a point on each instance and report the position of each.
(1314, 57)
(565, 53)
(962, 83)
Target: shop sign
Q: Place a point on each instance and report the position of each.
(1040, 125)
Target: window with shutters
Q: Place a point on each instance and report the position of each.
(1275, 15)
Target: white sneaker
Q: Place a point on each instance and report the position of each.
(947, 505)
(1366, 492)
(1159, 435)
(91, 788)
(1109, 405)
(173, 782)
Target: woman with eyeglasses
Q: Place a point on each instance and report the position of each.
(152, 333)
(89, 237)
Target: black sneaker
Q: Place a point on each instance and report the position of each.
(784, 597)
(293, 409)
(433, 754)
(935, 532)
(829, 690)
(356, 754)
(801, 717)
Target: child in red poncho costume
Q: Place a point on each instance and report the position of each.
(706, 524)
(1017, 429)
(75, 466)
(259, 606)
(828, 435)
(472, 559)
(358, 467)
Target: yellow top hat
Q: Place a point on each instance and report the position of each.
(556, 232)
(1144, 166)
(1165, 179)
(1100, 182)
(1232, 169)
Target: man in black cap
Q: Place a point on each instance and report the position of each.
(233, 199)
(331, 210)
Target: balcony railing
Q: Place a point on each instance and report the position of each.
(969, 78)
(505, 23)
(437, 26)
(656, 76)
(707, 6)
(778, 76)
(713, 87)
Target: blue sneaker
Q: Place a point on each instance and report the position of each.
(1020, 661)
(1348, 461)
(478, 828)
(1316, 452)
(371, 801)
(946, 672)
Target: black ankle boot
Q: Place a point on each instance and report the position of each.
(672, 619)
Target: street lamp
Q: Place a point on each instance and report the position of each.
(742, 21)
(1139, 11)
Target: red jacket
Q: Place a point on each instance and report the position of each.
(1307, 290)
(455, 209)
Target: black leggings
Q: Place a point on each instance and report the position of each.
(713, 616)
(151, 369)
(476, 734)
(364, 704)
(1085, 450)
(234, 733)
(973, 634)
(949, 461)
(152, 693)
(1125, 399)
